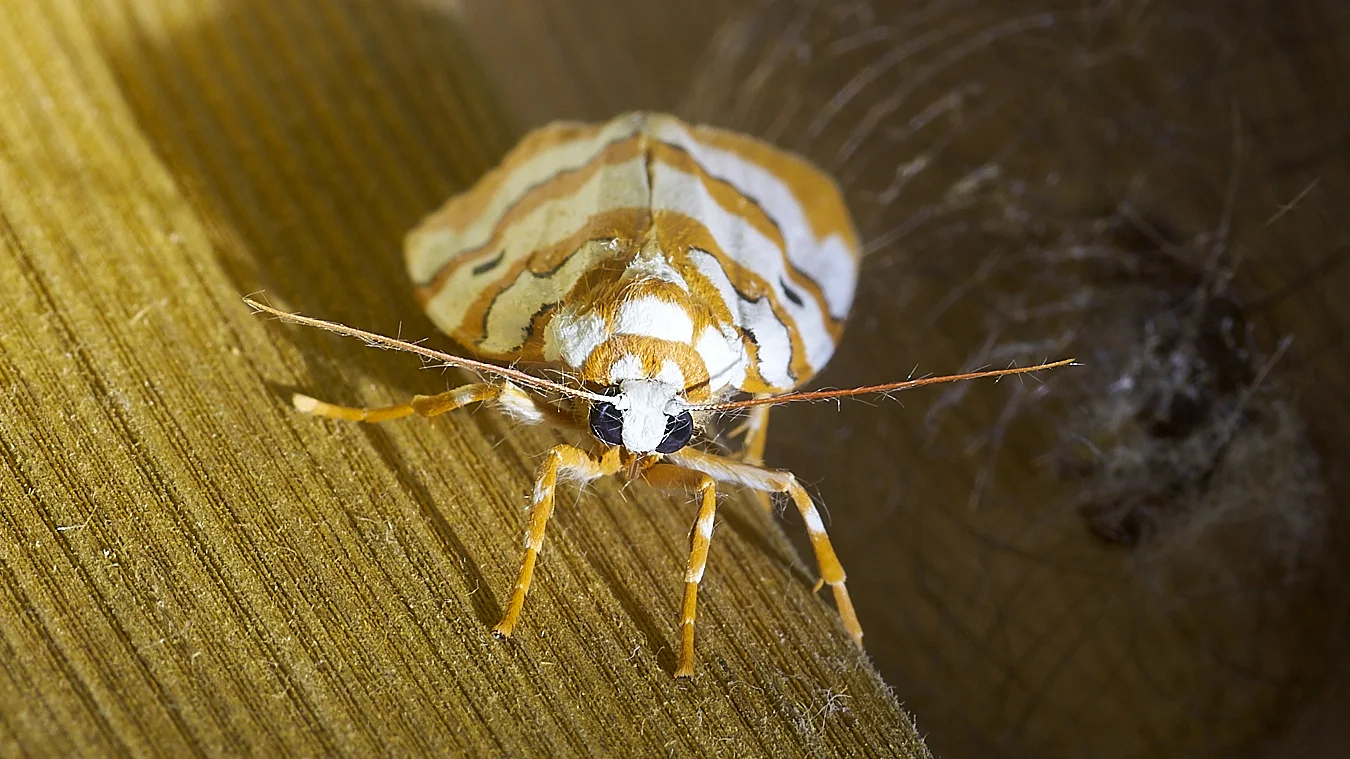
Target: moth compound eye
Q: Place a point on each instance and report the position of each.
(607, 424)
(678, 431)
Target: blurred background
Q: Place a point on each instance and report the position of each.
(1141, 556)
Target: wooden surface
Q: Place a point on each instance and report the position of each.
(189, 567)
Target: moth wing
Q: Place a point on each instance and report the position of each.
(494, 261)
(781, 250)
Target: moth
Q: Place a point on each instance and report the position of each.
(664, 272)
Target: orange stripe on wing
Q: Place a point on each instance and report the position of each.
(464, 208)
(736, 202)
(558, 186)
(624, 226)
(815, 190)
(678, 233)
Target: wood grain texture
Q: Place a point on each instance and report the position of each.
(187, 567)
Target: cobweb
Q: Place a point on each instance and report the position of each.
(1138, 556)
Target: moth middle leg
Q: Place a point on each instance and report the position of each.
(756, 426)
(561, 460)
(668, 476)
(764, 480)
(755, 435)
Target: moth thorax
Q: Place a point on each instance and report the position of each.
(646, 405)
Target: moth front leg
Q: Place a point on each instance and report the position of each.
(774, 481)
(700, 539)
(511, 399)
(561, 460)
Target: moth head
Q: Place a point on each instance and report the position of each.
(644, 416)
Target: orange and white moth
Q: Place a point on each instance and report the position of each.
(660, 269)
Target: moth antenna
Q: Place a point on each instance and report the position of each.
(382, 341)
(818, 395)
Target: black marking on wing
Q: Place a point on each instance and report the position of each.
(746, 332)
(794, 271)
(496, 230)
(489, 264)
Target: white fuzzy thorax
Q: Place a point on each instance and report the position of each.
(645, 404)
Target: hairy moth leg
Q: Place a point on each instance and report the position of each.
(575, 464)
(770, 480)
(510, 398)
(565, 459)
(700, 539)
(756, 426)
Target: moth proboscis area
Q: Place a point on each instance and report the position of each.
(661, 269)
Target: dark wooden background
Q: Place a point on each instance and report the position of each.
(1137, 557)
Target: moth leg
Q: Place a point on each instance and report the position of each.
(771, 480)
(570, 462)
(752, 445)
(700, 538)
(510, 398)
(756, 435)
